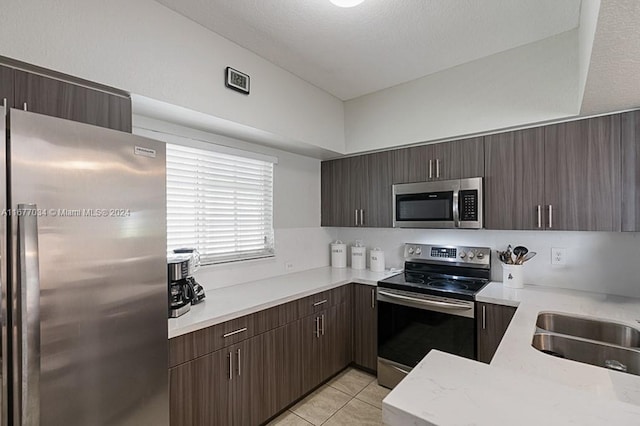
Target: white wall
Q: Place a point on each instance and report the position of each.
(145, 48)
(602, 262)
(300, 241)
(589, 11)
(533, 83)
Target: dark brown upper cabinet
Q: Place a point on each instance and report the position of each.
(58, 98)
(356, 191)
(582, 175)
(514, 180)
(441, 161)
(630, 123)
(560, 177)
(6, 86)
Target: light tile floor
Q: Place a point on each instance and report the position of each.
(351, 398)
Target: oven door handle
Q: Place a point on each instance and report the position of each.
(434, 303)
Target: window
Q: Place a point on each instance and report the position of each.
(219, 203)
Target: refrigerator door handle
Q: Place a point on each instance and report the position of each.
(29, 290)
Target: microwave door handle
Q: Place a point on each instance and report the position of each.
(456, 210)
(29, 308)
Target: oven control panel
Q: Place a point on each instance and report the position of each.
(455, 254)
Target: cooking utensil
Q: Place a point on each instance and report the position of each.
(520, 250)
(529, 255)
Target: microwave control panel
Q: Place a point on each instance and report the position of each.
(468, 205)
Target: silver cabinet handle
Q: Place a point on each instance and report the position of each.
(539, 216)
(230, 366)
(373, 298)
(238, 362)
(241, 330)
(484, 317)
(430, 169)
(323, 324)
(425, 302)
(320, 302)
(24, 106)
(550, 216)
(4, 105)
(28, 276)
(317, 322)
(361, 217)
(437, 167)
(356, 212)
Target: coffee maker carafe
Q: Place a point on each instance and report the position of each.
(179, 293)
(195, 289)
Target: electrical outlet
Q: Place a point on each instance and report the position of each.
(558, 256)
(288, 266)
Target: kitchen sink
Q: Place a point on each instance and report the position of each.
(589, 328)
(617, 358)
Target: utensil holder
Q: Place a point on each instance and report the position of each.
(512, 276)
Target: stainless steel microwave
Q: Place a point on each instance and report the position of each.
(440, 204)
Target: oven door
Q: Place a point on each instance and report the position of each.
(411, 324)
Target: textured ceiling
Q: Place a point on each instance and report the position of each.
(613, 82)
(380, 43)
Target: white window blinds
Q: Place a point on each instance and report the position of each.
(220, 204)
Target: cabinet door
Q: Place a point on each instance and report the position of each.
(582, 175)
(411, 165)
(282, 366)
(248, 402)
(491, 324)
(469, 158)
(199, 391)
(335, 339)
(57, 98)
(444, 162)
(6, 86)
(341, 191)
(376, 191)
(365, 327)
(311, 358)
(631, 171)
(514, 180)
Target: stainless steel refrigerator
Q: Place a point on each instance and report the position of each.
(83, 276)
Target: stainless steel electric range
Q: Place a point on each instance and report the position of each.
(429, 306)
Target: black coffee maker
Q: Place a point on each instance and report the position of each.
(184, 290)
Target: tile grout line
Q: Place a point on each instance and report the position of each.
(301, 418)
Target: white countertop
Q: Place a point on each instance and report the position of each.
(522, 385)
(227, 303)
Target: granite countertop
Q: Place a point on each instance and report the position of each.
(522, 385)
(227, 303)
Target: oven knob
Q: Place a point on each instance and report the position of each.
(418, 251)
(480, 255)
(462, 255)
(410, 250)
(471, 255)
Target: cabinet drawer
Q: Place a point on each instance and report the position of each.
(193, 345)
(323, 300)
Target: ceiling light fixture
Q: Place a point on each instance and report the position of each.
(346, 3)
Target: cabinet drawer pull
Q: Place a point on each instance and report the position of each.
(230, 366)
(320, 302)
(373, 298)
(238, 361)
(323, 324)
(24, 106)
(234, 332)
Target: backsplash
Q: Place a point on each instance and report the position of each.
(603, 262)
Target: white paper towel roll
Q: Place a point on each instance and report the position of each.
(376, 260)
(358, 256)
(338, 254)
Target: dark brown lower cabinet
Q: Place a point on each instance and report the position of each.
(365, 326)
(491, 324)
